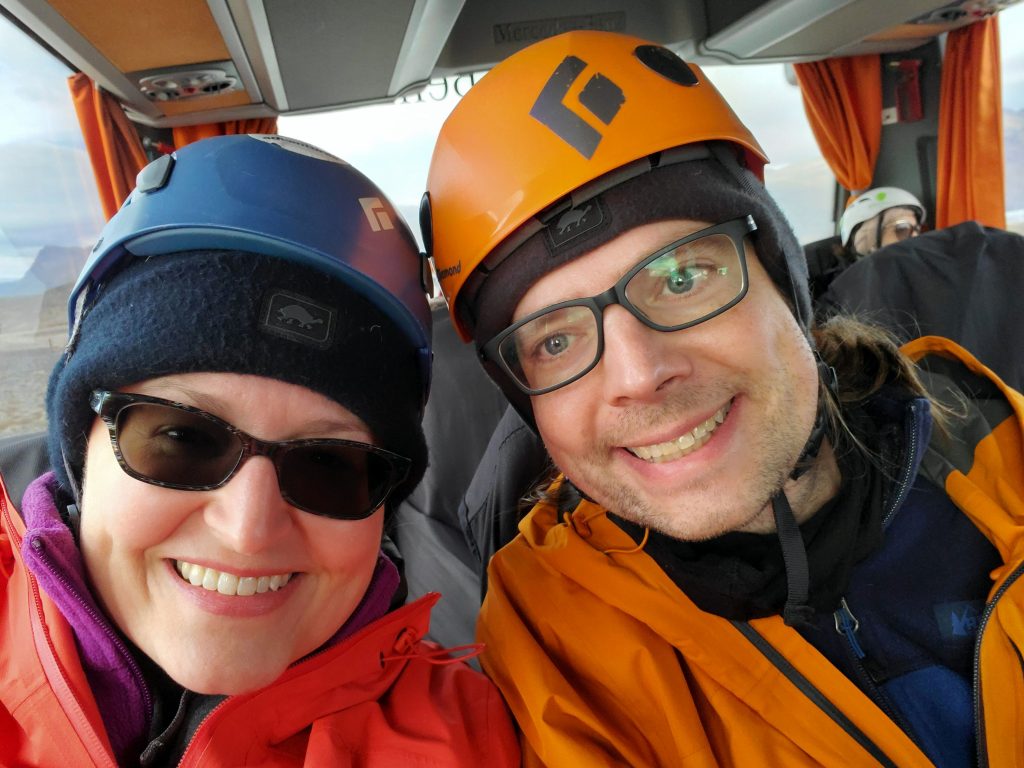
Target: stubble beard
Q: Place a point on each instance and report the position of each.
(707, 508)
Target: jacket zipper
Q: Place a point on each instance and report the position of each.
(979, 714)
(227, 699)
(847, 625)
(39, 546)
(909, 467)
(808, 688)
(203, 722)
(37, 602)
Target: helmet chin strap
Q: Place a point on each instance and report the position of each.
(72, 515)
(794, 553)
(794, 557)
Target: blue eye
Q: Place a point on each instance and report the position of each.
(684, 279)
(556, 344)
(680, 282)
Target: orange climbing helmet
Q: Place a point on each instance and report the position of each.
(550, 120)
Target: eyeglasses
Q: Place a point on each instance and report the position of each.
(177, 446)
(894, 231)
(683, 284)
(901, 229)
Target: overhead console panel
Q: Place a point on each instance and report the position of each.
(488, 31)
(801, 30)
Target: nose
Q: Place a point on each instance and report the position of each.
(638, 361)
(248, 513)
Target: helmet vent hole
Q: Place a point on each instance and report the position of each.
(667, 64)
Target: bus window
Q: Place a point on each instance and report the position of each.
(49, 218)
(1011, 47)
(390, 143)
(797, 174)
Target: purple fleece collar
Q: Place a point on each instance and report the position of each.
(376, 601)
(117, 682)
(54, 559)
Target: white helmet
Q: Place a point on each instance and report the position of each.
(871, 203)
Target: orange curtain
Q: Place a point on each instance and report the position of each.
(115, 151)
(186, 134)
(970, 175)
(843, 101)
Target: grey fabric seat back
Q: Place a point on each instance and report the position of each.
(23, 458)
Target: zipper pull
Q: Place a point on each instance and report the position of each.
(847, 625)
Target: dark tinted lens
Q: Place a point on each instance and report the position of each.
(176, 447)
(339, 481)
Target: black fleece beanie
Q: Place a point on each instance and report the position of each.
(238, 312)
(701, 190)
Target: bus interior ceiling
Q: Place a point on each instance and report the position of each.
(215, 60)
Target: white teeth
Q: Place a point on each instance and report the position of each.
(210, 579)
(684, 444)
(246, 586)
(229, 583)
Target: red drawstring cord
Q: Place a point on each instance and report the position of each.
(438, 656)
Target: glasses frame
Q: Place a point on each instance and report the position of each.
(109, 405)
(911, 219)
(735, 229)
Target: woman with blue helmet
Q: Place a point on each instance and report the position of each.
(199, 579)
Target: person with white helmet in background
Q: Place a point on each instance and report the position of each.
(198, 579)
(880, 217)
(737, 561)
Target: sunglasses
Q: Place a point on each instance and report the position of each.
(177, 446)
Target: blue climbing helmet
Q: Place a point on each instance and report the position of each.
(278, 197)
(254, 255)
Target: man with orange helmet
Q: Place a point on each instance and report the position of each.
(736, 563)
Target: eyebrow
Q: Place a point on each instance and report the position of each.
(322, 427)
(328, 427)
(183, 394)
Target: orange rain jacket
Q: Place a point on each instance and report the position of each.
(604, 661)
(372, 700)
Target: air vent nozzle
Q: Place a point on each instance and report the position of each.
(189, 82)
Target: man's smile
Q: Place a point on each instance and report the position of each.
(683, 445)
